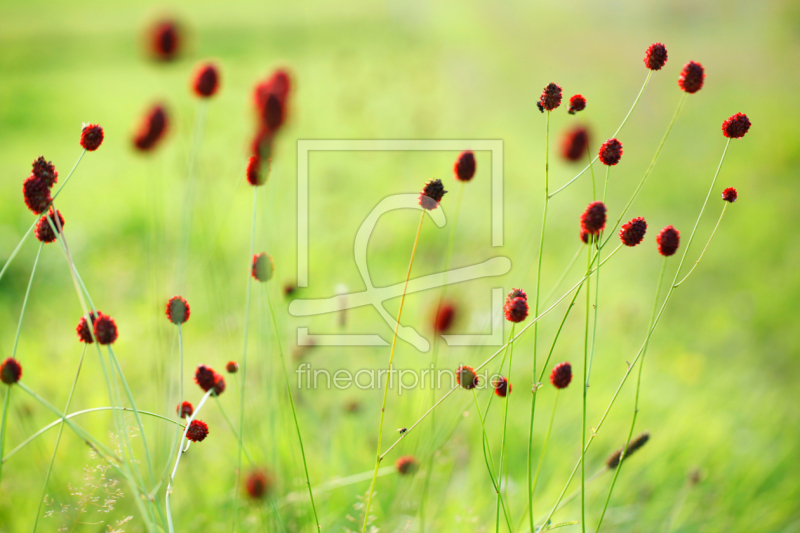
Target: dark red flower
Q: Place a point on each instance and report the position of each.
(258, 484)
(502, 387)
(207, 379)
(198, 430)
(516, 309)
(668, 240)
(611, 152)
(561, 375)
(431, 194)
(593, 220)
(92, 137)
(36, 192)
(736, 126)
(10, 371)
(178, 310)
(516, 293)
(232, 367)
(444, 318)
(576, 103)
(551, 97)
(45, 171)
(464, 167)
(278, 84)
(152, 129)
(105, 329)
(574, 144)
(656, 56)
(257, 171)
(44, 231)
(206, 80)
(262, 268)
(466, 377)
(185, 409)
(273, 113)
(633, 232)
(691, 78)
(586, 236)
(730, 195)
(165, 40)
(84, 333)
(406, 465)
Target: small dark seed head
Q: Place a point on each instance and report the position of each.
(178, 310)
(258, 484)
(502, 387)
(232, 367)
(465, 166)
(551, 97)
(165, 40)
(406, 465)
(736, 126)
(206, 80)
(92, 137)
(633, 446)
(44, 231)
(610, 152)
(208, 379)
(36, 192)
(105, 329)
(466, 377)
(574, 144)
(10, 371)
(633, 232)
(84, 333)
(198, 430)
(593, 220)
(185, 409)
(152, 129)
(516, 308)
(432, 194)
(262, 268)
(576, 103)
(561, 375)
(730, 195)
(668, 240)
(257, 170)
(45, 171)
(444, 318)
(656, 56)
(692, 77)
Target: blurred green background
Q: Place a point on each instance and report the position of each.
(722, 367)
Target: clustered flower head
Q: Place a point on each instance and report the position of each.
(257, 484)
(467, 377)
(45, 171)
(185, 409)
(656, 56)
(502, 387)
(586, 237)
(257, 170)
(10, 371)
(105, 329)
(575, 143)
(593, 220)
(444, 318)
(208, 379)
(633, 446)
(576, 103)
(165, 40)
(432, 194)
(152, 129)
(44, 231)
(730, 195)
(633, 232)
(198, 430)
(464, 167)
(84, 333)
(406, 464)
(206, 80)
(178, 310)
(551, 97)
(36, 192)
(561, 375)
(516, 306)
(736, 126)
(232, 367)
(91, 137)
(692, 77)
(610, 152)
(271, 102)
(262, 268)
(668, 240)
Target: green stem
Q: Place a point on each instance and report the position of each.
(585, 388)
(596, 291)
(6, 399)
(724, 207)
(505, 426)
(25, 300)
(546, 440)
(233, 429)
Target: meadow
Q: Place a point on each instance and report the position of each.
(721, 367)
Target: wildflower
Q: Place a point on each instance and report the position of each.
(736, 126)
(232, 367)
(10, 371)
(691, 78)
(208, 379)
(516, 309)
(551, 97)
(464, 168)
(730, 195)
(633, 232)
(656, 56)
(152, 129)
(44, 231)
(263, 268)
(668, 240)
(256, 174)
(45, 171)
(406, 465)
(257, 484)
(502, 387)
(610, 152)
(185, 409)
(444, 318)
(198, 430)
(279, 84)
(586, 236)
(84, 333)
(635, 444)
(206, 80)
(273, 113)
(431, 194)
(466, 377)
(576, 103)
(561, 375)
(593, 220)
(91, 137)
(574, 144)
(105, 329)
(165, 40)
(178, 310)
(36, 192)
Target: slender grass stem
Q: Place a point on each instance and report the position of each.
(233, 430)
(6, 400)
(505, 427)
(564, 274)
(724, 207)
(25, 300)
(596, 292)
(585, 385)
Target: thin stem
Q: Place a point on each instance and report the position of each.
(724, 207)
(564, 274)
(25, 300)
(505, 425)
(585, 388)
(6, 399)
(546, 440)
(596, 291)
(233, 430)
(386, 389)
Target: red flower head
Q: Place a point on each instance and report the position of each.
(633, 232)
(466, 377)
(206, 80)
(586, 236)
(36, 192)
(43, 229)
(178, 310)
(431, 194)
(515, 308)
(92, 137)
(232, 367)
(736, 126)
(444, 318)
(105, 329)
(406, 465)
(691, 78)
(551, 97)
(207, 379)
(165, 40)
(730, 195)
(576, 103)
(561, 375)
(464, 168)
(574, 144)
(258, 484)
(278, 84)
(152, 129)
(10, 371)
(198, 430)
(517, 293)
(257, 171)
(668, 240)
(656, 56)
(185, 409)
(84, 333)
(593, 220)
(262, 268)
(45, 171)
(502, 387)
(611, 152)
(273, 113)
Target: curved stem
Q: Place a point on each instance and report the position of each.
(724, 207)
(25, 300)
(505, 426)
(6, 399)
